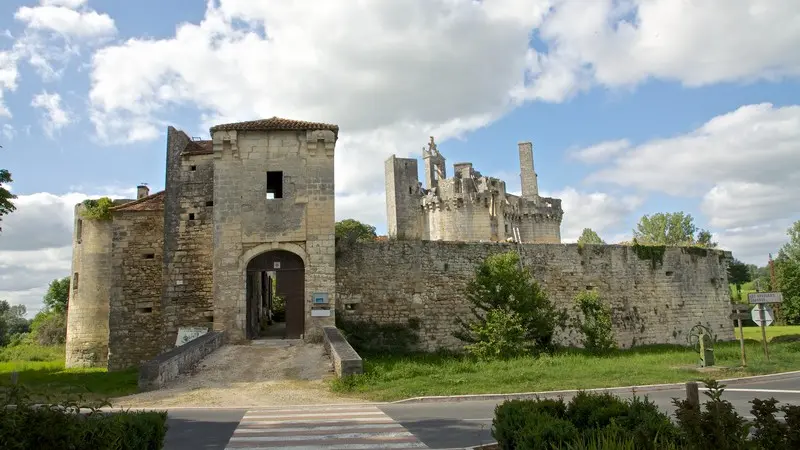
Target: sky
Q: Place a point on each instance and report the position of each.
(633, 106)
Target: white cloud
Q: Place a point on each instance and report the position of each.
(624, 43)
(9, 74)
(9, 133)
(54, 117)
(66, 21)
(602, 212)
(72, 4)
(600, 152)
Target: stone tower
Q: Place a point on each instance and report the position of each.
(528, 177)
(404, 216)
(89, 292)
(273, 217)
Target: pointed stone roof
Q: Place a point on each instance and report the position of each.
(153, 202)
(275, 124)
(198, 148)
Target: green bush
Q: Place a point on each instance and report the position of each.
(63, 426)
(368, 337)
(501, 336)
(519, 424)
(28, 352)
(596, 325)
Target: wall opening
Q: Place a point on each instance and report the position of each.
(192, 168)
(144, 310)
(274, 185)
(75, 281)
(275, 293)
(191, 216)
(210, 203)
(79, 230)
(149, 256)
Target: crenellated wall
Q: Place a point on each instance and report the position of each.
(391, 282)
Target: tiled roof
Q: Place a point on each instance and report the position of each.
(198, 148)
(275, 123)
(154, 202)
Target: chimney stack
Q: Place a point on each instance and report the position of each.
(142, 191)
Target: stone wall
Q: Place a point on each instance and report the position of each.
(135, 307)
(90, 288)
(187, 297)
(390, 282)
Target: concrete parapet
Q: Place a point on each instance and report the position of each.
(167, 366)
(345, 359)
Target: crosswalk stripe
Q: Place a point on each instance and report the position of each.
(330, 428)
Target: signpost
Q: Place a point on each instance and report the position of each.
(762, 299)
(740, 313)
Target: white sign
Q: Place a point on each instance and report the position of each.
(755, 314)
(187, 334)
(764, 297)
(320, 313)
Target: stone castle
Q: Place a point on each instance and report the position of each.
(468, 206)
(245, 228)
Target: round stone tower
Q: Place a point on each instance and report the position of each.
(89, 294)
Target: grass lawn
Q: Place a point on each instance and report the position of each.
(41, 370)
(391, 378)
(772, 331)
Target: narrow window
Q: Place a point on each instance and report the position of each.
(191, 216)
(75, 281)
(144, 310)
(193, 168)
(79, 230)
(149, 256)
(274, 185)
(210, 203)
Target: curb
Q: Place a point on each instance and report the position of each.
(531, 395)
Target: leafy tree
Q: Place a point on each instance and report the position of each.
(352, 229)
(49, 328)
(589, 236)
(787, 271)
(57, 295)
(6, 205)
(509, 308)
(12, 321)
(671, 229)
(738, 274)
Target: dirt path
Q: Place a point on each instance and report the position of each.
(264, 373)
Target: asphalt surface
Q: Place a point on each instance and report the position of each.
(454, 424)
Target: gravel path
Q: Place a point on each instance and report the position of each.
(263, 373)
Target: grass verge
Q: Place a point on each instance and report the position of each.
(41, 370)
(772, 332)
(389, 378)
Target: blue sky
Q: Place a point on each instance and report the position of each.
(633, 107)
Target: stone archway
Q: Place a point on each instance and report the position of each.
(275, 295)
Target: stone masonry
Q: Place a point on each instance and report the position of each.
(392, 282)
(468, 206)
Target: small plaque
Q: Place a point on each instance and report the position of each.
(187, 334)
(320, 313)
(319, 298)
(276, 265)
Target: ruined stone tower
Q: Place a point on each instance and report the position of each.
(468, 206)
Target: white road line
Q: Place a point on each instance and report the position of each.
(353, 419)
(399, 445)
(767, 391)
(314, 427)
(292, 416)
(311, 437)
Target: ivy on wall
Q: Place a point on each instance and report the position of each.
(98, 209)
(653, 253)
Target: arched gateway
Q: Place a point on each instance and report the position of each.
(275, 295)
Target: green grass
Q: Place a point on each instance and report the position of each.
(390, 378)
(771, 331)
(41, 370)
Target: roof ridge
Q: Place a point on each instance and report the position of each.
(275, 123)
(138, 201)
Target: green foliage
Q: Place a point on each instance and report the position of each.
(738, 274)
(653, 253)
(672, 229)
(6, 197)
(500, 284)
(368, 337)
(13, 323)
(57, 295)
(353, 230)
(501, 336)
(718, 426)
(98, 209)
(64, 426)
(31, 353)
(596, 325)
(49, 328)
(589, 236)
(787, 271)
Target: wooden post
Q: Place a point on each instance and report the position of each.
(693, 393)
(741, 343)
(763, 329)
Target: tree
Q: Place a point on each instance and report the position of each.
(787, 272)
(509, 310)
(352, 229)
(12, 321)
(738, 274)
(57, 295)
(6, 205)
(589, 236)
(671, 229)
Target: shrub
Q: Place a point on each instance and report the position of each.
(501, 336)
(515, 422)
(62, 426)
(719, 426)
(596, 325)
(99, 209)
(368, 337)
(501, 284)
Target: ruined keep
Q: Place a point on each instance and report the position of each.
(468, 206)
(242, 240)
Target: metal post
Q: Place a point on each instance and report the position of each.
(763, 329)
(693, 393)
(741, 343)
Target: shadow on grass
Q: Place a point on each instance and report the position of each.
(56, 383)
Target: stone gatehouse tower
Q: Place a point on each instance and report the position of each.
(245, 223)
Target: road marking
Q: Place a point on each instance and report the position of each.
(313, 427)
(767, 391)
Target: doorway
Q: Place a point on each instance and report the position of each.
(275, 296)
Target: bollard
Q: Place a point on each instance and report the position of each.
(693, 393)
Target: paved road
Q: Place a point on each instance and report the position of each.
(436, 425)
